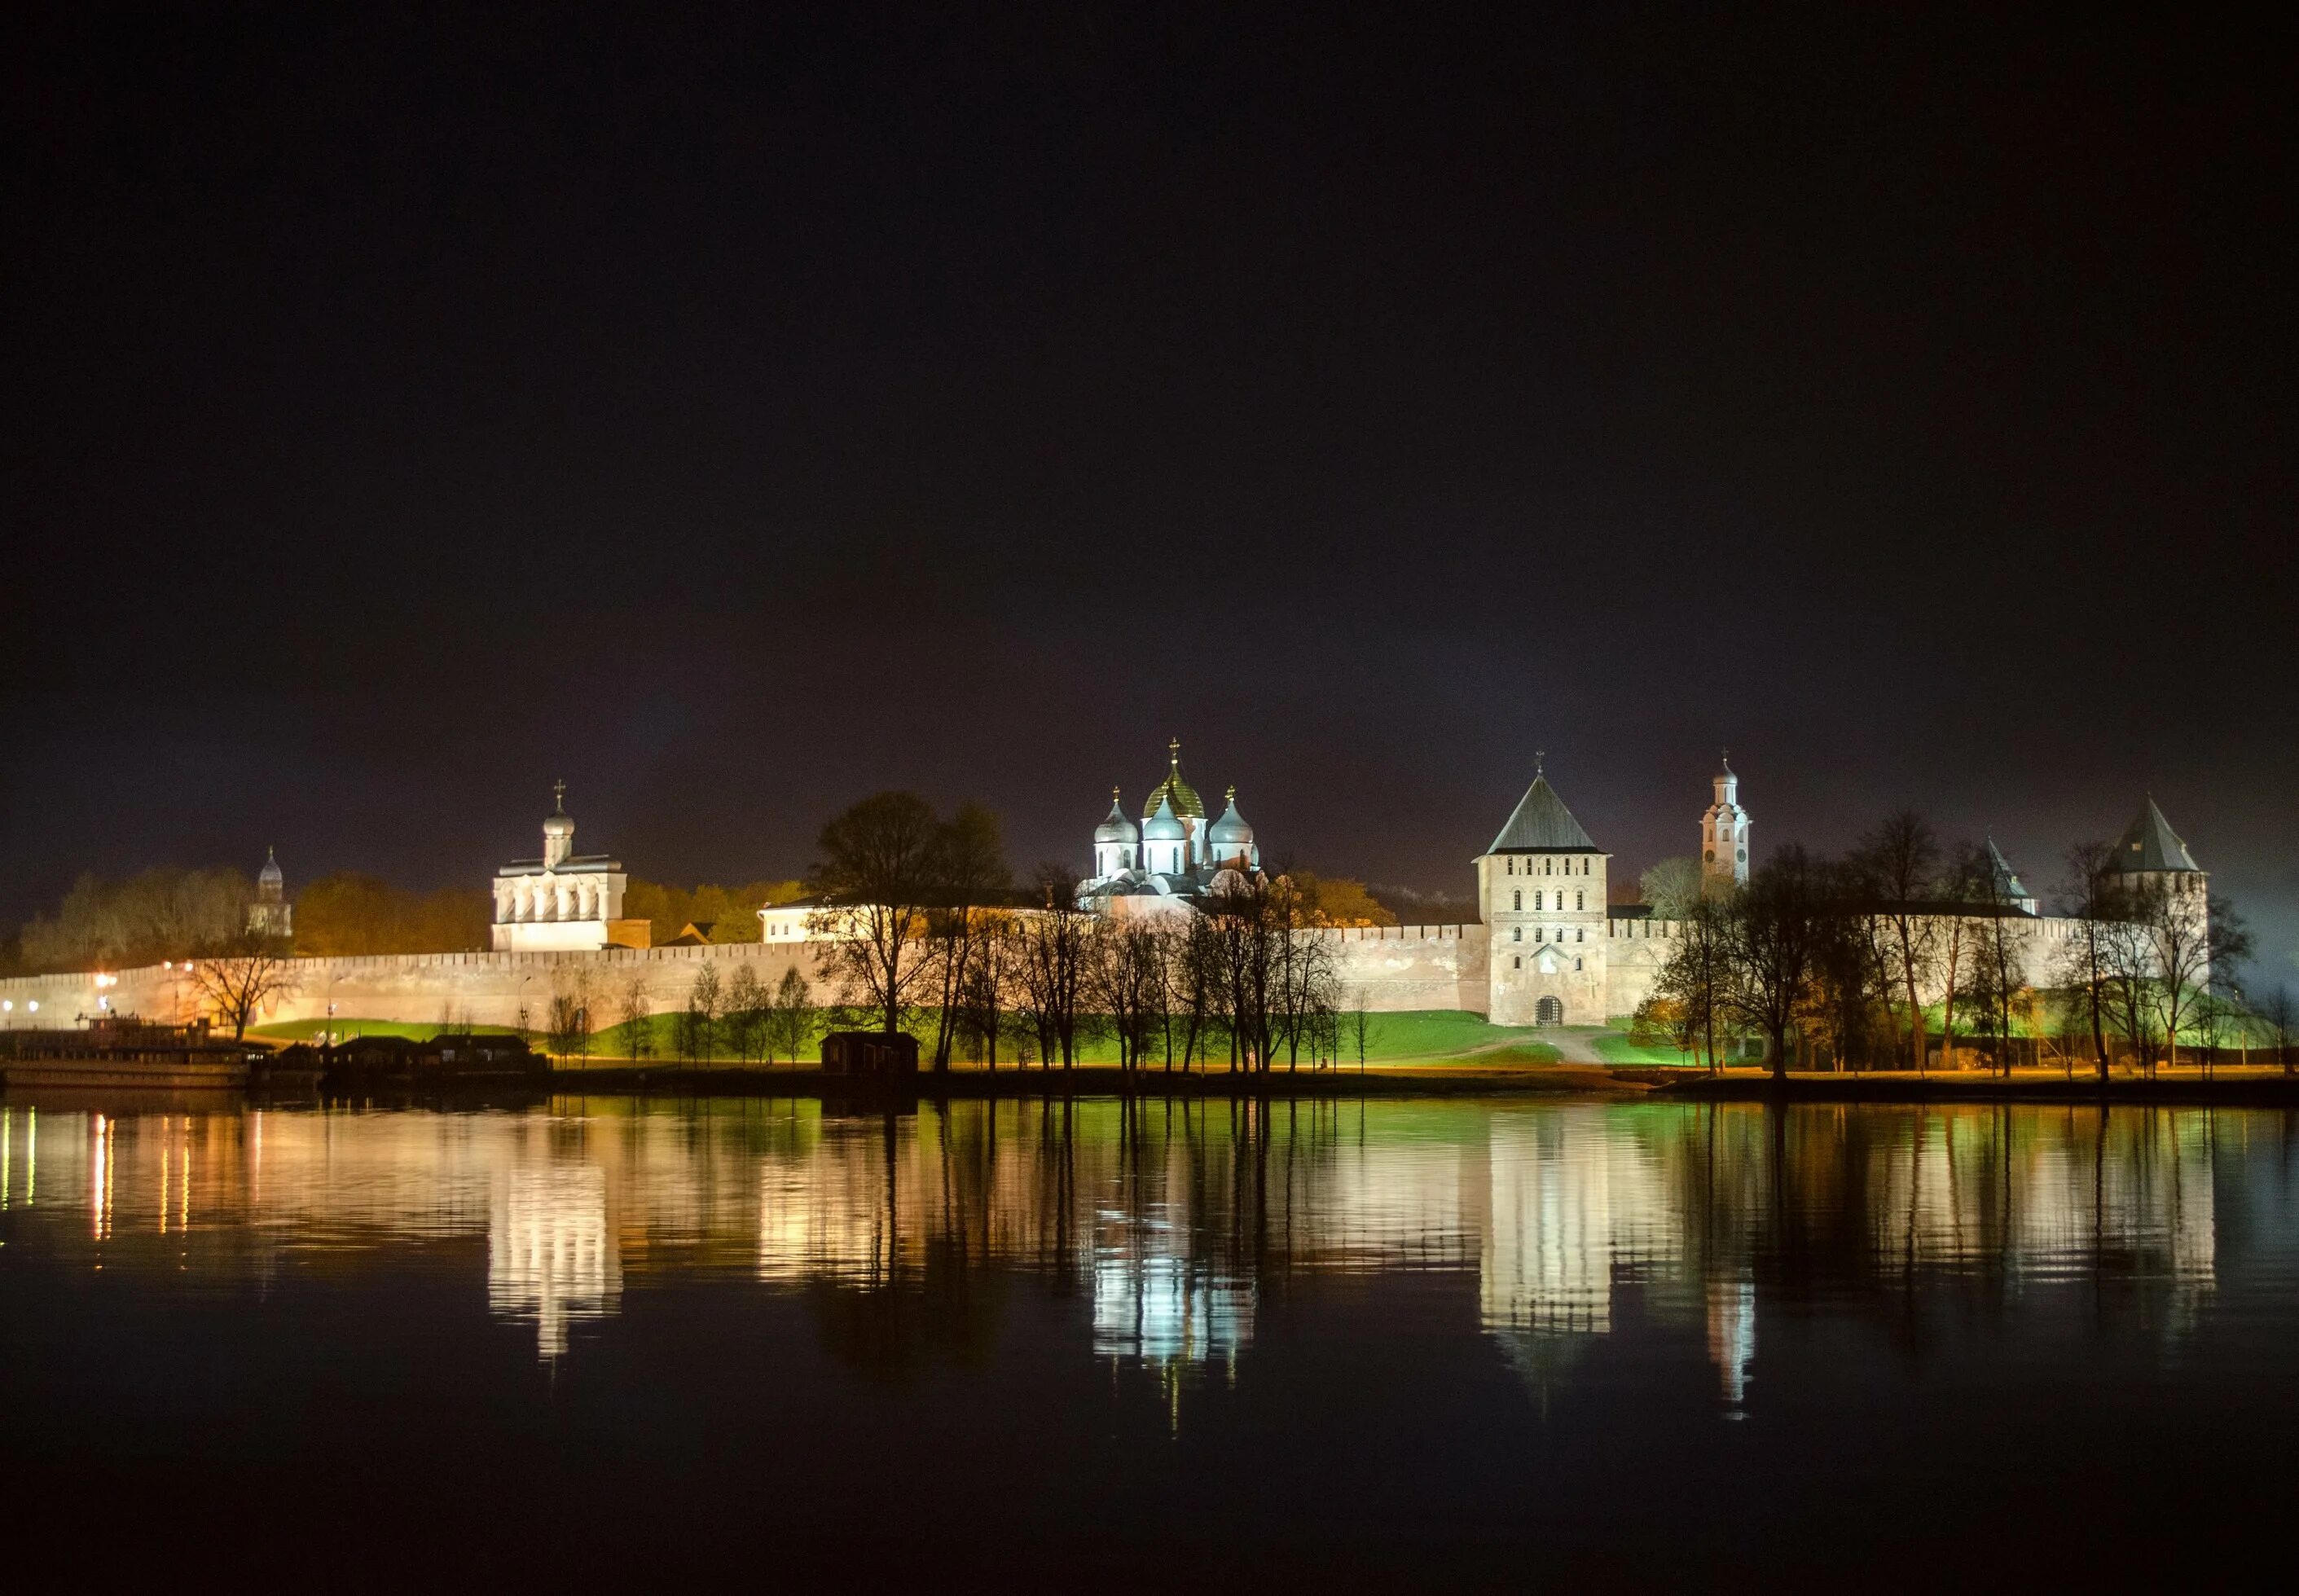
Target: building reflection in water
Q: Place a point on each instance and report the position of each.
(552, 1257)
(1175, 1226)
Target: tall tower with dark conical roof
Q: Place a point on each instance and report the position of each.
(2150, 857)
(1542, 889)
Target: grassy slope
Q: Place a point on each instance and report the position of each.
(1432, 1034)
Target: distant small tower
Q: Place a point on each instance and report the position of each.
(2151, 857)
(557, 829)
(271, 915)
(1724, 836)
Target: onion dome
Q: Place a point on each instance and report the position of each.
(1186, 800)
(1165, 825)
(270, 876)
(558, 822)
(1230, 831)
(1117, 827)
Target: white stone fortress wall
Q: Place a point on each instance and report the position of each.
(1400, 967)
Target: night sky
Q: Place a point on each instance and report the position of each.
(738, 412)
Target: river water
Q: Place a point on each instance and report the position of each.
(1441, 1343)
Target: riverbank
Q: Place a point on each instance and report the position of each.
(1464, 1079)
(2231, 1086)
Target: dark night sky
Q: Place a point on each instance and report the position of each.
(738, 413)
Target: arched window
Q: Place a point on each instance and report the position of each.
(1539, 901)
(1576, 964)
(1545, 865)
(1580, 935)
(1540, 933)
(1516, 900)
(1577, 903)
(1517, 962)
(1516, 933)
(1512, 867)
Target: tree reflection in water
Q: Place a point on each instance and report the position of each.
(1176, 1225)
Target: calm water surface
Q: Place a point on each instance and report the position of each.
(1441, 1343)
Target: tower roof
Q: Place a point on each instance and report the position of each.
(2006, 881)
(1186, 802)
(1116, 827)
(271, 875)
(1231, 828)
(2151, 845)
(1542, 825)
(1163, 826)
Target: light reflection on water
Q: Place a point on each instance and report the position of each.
(1174, 1222)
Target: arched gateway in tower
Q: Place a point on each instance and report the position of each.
(1541, 888)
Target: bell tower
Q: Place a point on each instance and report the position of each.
(1724, 836)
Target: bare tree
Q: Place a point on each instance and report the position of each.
(637, 1017)
(1119, 977)
(2218, 1002)
(972, 870)
(570, 1028)
(2083, 962)
(697, 1024)
(2279, 1013)
(1692, 989)
(983, 995)
(1360, 1024)
(789, 1014)
(1775, 926)
(745, 1020)
(1897, 866)
(1049, 967)
(1672, 886)
(881, 868)
(239, 975)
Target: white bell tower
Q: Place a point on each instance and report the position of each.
(1724, 836)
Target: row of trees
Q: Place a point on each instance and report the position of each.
(715, 1017)
(922, 914)
(1843, 959)
(161, 914)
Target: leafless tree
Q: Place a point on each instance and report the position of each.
(971, 870)
(1692, 989)
(1897, 866)
(1672, 886)
(789, 1014)
(1051, 949)
(1775, 930)
(745, 1022)
(636, 1014)
(239, 975)
(2218, 1001)
(880, 870)
(569, 1029)
(1119, 978)
(1360, 1024)
(2280, 1013)
(2083, 963)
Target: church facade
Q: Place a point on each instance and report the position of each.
(565, 900)
(1175, 856)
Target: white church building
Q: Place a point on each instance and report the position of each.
(1174, 856)
(564, 901)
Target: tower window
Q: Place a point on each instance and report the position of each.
(1580, 935)
(1516, 900)
(1517, 962)
(1576, 964)
(1539, 901)
(1516, 933)
(1577, 901)
(1540, 933)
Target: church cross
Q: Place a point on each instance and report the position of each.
(558, 797)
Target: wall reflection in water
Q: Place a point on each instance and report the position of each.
(1179, 1229)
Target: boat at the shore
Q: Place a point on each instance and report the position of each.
(113, 1052)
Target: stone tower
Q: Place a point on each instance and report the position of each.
(1541, 887)
(1724, 838)
(271, 915)
(2150, 857)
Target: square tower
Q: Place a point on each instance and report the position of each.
(1541, 888)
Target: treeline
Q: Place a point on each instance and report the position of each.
(166, 913)
(1840, 963)
(731, 912)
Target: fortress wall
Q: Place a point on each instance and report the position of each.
(1400, 967)
(421, 988)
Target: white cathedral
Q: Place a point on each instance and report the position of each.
(1174, 856)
